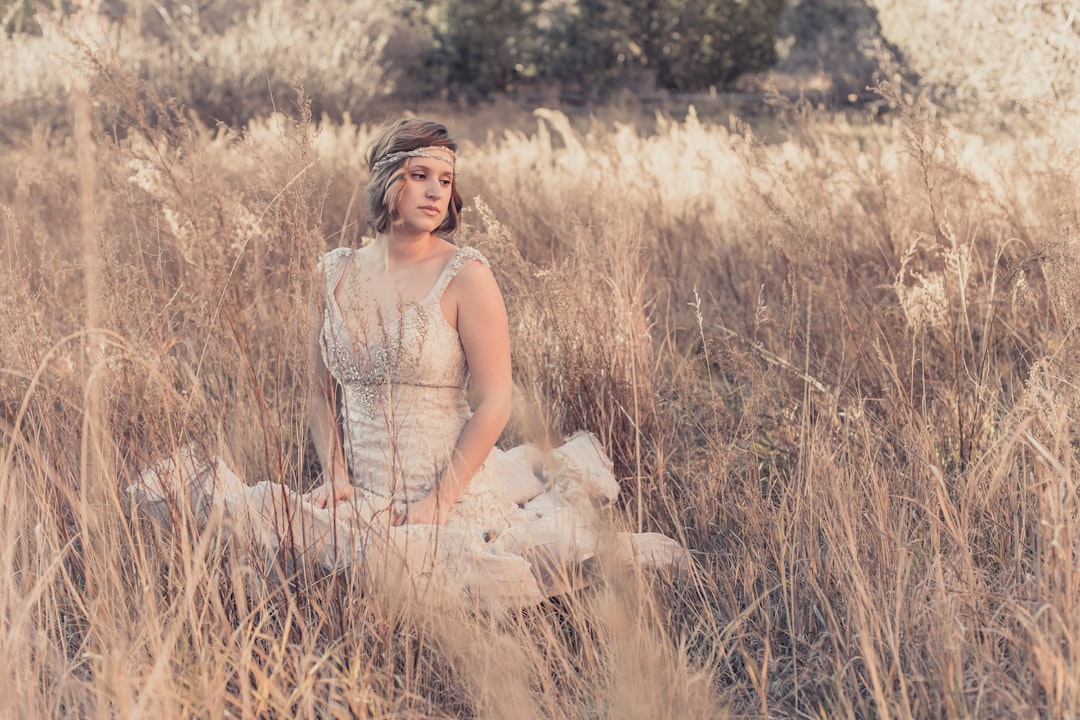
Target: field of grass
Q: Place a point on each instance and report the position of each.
(841, 365)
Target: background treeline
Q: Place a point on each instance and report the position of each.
(592, 47)
(231, 61)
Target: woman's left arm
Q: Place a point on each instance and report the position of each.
(485, 338)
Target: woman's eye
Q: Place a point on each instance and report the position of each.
(445, 183)
(418, 176)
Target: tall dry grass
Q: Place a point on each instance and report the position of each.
(223, 61)
(839, 365)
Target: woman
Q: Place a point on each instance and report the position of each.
(398, 293)
(407, 326)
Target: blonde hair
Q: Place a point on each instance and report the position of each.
(388, 174)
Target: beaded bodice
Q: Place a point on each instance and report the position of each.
(404, 385)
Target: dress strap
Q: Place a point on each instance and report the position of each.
(332, 266)
(462, 257)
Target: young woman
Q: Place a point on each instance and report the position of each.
(411, 358)
(410, 312)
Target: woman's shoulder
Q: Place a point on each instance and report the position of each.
(335, 256)
(466, 269)
(333, 260)
(463, 256)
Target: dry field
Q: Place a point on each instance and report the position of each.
(841, 366)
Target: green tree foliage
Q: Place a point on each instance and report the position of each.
(475, 44)
(597, 46)
(590, 46)
(841, 40)
(707, 43)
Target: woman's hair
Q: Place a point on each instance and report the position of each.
(388, 177)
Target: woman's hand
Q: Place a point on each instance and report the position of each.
(330, 493)
(428, 510)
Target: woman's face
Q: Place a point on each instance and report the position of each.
(425, 199)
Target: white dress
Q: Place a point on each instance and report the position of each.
(520, 531)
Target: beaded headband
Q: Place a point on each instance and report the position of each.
(437, 152)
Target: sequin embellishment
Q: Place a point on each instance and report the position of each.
(371, 370)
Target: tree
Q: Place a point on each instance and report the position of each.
(682, 45)
(710, 44)
(596, 46)
(475, 44)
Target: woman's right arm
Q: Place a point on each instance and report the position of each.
(322, 420)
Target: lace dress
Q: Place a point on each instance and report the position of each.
(519, 532)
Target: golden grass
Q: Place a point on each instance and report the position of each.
(229, 60)
(840, 366)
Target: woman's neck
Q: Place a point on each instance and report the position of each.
(401, 249)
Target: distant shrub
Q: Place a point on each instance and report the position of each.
(840, 41)
(598, 46)
(593, 46)
(707, 43)
(474, 44)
